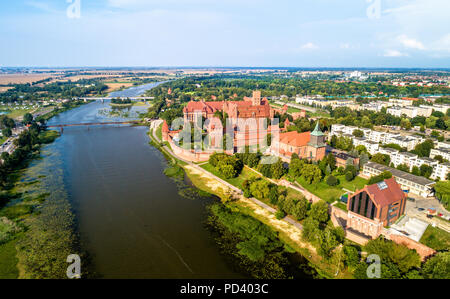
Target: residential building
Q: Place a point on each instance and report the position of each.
(414, 184)
(372, 147)
(441, 171)
(375, 206)
(444, 152)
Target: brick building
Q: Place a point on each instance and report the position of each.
(375, 206)
(307, 145)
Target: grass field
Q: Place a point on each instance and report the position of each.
(159, 132)
(237, 182)
(332, 193)
(436, 238)
(8, 261)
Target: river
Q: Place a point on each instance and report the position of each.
(131, 219)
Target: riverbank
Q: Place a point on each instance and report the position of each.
(290, 234)
(36, 220)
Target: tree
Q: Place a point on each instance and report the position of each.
(352, 257)
(319, 211)
(27, 118)
(426, 170)
(415, 170)
(424, 149)
(379, 178)
(331, 161)
(278, 170)
(381, 159)
(438, 267)
(312, 174)
(332, 181)
(403, 167)
(301, 209)
(358, 133)
(296, 168)
(442, 189)
(310, 229)
(363, 159)
(7, 132)
(361, 149)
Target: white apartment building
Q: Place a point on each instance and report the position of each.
(414, 184)
(395, 111)
(400, 102)
(443, 144)
(441, 108)
(372, 147)
(441, 171)
(444, 152)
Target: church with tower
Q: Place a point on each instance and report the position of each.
(307, 145)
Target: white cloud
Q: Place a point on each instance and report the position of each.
(394, 53)
(309, 46)
(443, 44)
(410, 43)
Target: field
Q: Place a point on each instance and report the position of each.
(117, 86)
(6, 79)
(333, 193)
(436, 238)
(237, 182)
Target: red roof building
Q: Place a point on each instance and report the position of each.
(307, 145)
(376, 206)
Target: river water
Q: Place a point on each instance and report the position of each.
(131, 218)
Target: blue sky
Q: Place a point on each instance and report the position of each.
(298, 33)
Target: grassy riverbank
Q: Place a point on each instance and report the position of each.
(36, 220)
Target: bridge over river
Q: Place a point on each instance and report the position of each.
(62, 126)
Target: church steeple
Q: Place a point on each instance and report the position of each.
(317, 139)
(317, 132)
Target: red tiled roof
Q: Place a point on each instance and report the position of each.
(387, 196)
(295, 139)
(165, 127)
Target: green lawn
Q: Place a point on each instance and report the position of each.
(436, 238)
(331, 194)
(357, 184)
(159, 132)
(322, 190)
(8, 261)
(341, 206)
(238, 181)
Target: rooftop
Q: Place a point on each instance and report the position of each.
(401, 174)
(386, 192)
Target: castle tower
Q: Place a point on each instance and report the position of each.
(256, 100)
(165, 131)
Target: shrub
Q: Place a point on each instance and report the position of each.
(332, 181)
(349, 176)
(280, 214)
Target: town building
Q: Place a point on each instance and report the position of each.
(375, 206)
(441, 171)
(443, 152)
(343, 159)
(411, 183)
(372, 147)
